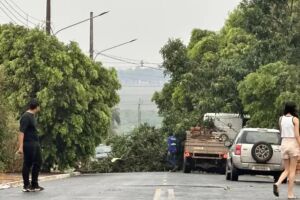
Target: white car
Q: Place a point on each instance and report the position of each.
(254, 151)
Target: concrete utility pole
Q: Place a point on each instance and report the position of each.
(92, 35)
(48, 17)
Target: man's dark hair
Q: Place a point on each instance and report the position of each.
(290, 107)
(33, 104)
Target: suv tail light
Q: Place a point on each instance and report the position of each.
(238, 149)
(187, 154)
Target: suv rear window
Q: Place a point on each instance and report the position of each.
(252, 137)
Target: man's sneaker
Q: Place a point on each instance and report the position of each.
(36, 188)
(26, 189)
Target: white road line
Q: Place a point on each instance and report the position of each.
(164, 182)
(171, 194)
(157, 194)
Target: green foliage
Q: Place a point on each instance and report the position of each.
(76, 94)
(205, 76)
(264, 92)
(8, 134)
(143, 150)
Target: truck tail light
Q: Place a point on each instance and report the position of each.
(238, 149)
(187, 154)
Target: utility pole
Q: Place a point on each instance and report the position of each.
(48, 17)
(91, 35)
(142, 63)
(139, 113)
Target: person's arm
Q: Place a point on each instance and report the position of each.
(296, 129)
(21, 142)
(23, 126)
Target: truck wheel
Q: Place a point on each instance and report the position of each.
(186, 166)
(234, 173)
(227, 173)
(222, 167)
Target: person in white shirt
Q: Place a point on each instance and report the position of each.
(290, 147)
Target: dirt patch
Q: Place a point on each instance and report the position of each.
(7, 178)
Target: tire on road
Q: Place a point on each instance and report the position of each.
(187, 168)
(227, 173)
(234, 175)
(222, 167)
(262, 152)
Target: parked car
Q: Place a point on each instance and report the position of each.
(254, 151)
(102, 151)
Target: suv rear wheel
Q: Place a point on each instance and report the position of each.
(227, 173)
(234, 175)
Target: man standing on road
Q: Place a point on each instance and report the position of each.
(172, 151)
(30, 148)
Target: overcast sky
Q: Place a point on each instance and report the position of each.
(151, 21)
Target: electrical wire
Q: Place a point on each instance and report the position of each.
(129, 62)
(119, 59)
(26, 19)
(7, 15)
(12, 14)
(130, 59)
(16, 5)
(123, 58)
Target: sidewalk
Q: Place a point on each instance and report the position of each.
(15, 180)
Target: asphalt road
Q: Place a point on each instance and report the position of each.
(151, 186)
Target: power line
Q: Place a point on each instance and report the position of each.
(119, 59)
(123, 58)
(12, 13)
(18, 7)
(26, 19)
(135, 60)
(8, 15)
(129, 62)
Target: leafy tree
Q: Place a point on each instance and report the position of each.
(76, 94)
(143, 150)
(214, 63)
(8, 137)
(264, 92)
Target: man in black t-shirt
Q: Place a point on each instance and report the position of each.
(30, 148)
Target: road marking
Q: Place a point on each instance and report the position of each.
(157, 194)
(171, 194)
(164, 182)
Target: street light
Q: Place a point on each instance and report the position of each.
(80, 22)
(113, 47)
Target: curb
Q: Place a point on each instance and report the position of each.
(41, 179)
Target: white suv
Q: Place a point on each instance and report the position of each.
(254, 151)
